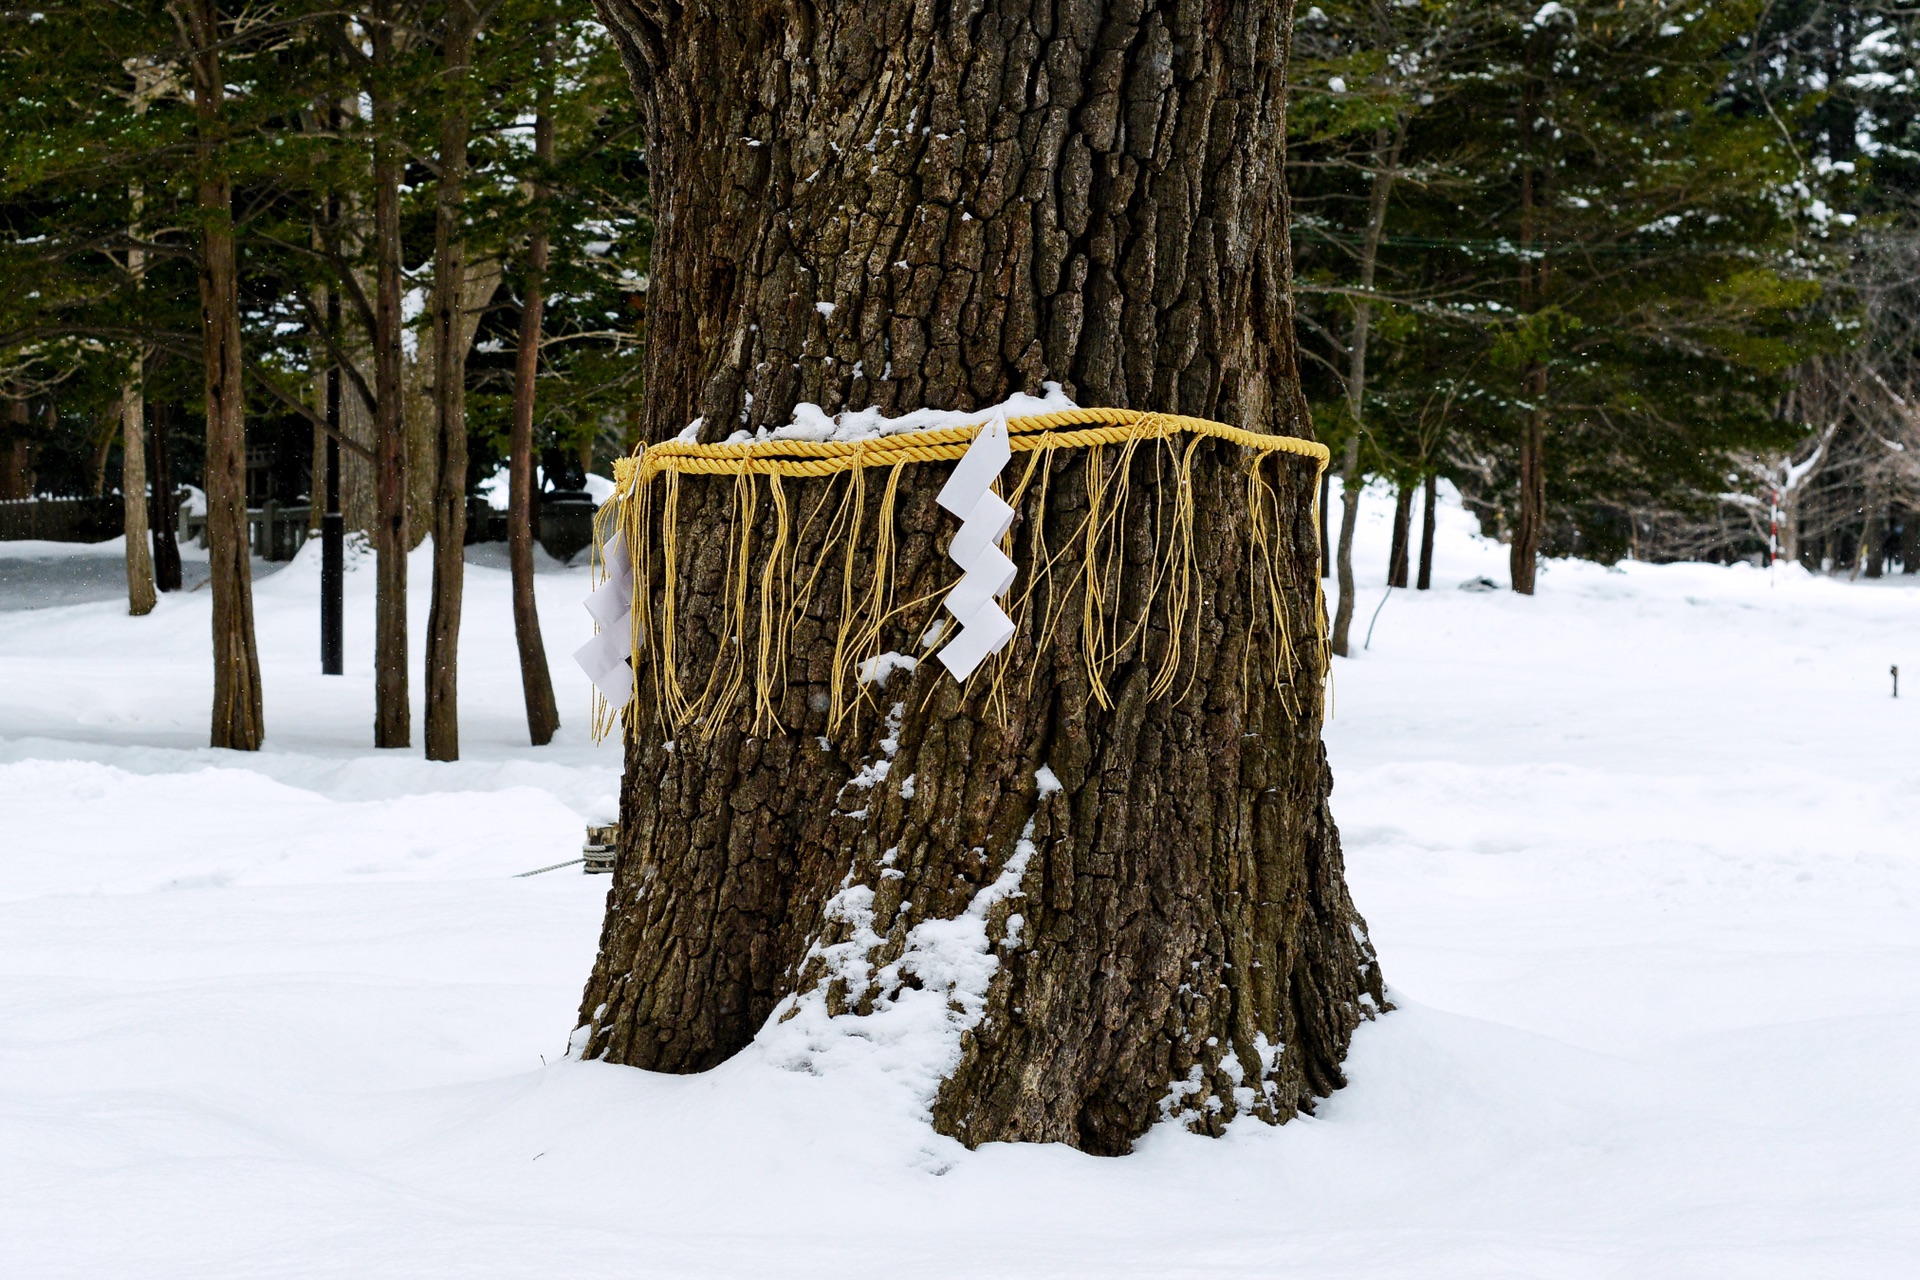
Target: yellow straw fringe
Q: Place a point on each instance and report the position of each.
(865, 610)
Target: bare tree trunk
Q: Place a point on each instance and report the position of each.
(133, 393)
(1398, 552)
(164, 515)
(237, 716)
(1096, 199)
(1386, 165)
(102, 449)
(450, 394)
(1350, 487)
(1427, 519)
(1531, 517)
(392, 711)
(536, 681)
(1790, 527)
(133, 491)
(1873, 537)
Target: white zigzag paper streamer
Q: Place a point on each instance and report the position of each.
(608, 657)
(974, 601)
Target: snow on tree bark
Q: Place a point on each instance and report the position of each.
(890, 204)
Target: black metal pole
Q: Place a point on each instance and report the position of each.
(333, 531)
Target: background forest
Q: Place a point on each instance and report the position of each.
(101, 229)
(1639, 278)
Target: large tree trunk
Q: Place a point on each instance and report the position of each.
(237, 715)
(879, 204)
(536, 681)
(449, 395)
(392, 711)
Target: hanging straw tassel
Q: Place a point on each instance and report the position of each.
(767, 589)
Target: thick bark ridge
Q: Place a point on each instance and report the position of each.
(904, 204)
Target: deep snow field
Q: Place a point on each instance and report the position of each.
(1641, 856)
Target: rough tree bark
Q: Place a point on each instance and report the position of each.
(897, 204)
(392, 711)
(1326, 548)
(237, 715)
(536, 681)
(449, 393)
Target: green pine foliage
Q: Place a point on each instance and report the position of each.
(1587, 222)
(87, 174)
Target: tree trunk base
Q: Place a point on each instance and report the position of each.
(1133, 913)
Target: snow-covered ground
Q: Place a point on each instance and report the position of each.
(1641, 855)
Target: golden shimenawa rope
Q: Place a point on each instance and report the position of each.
(867, 607)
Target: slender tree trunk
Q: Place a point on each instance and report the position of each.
(1531, 517)
(102, 450)
(450, 394)
(133, 491)
(1350, 487)
(1427, 517)
(536, 681)
(1398, 552)
(1386, 166)
(133, 426)
(237, 716)
(1078, 194)
(392, 712)
(164, 515)
(1873, 537)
